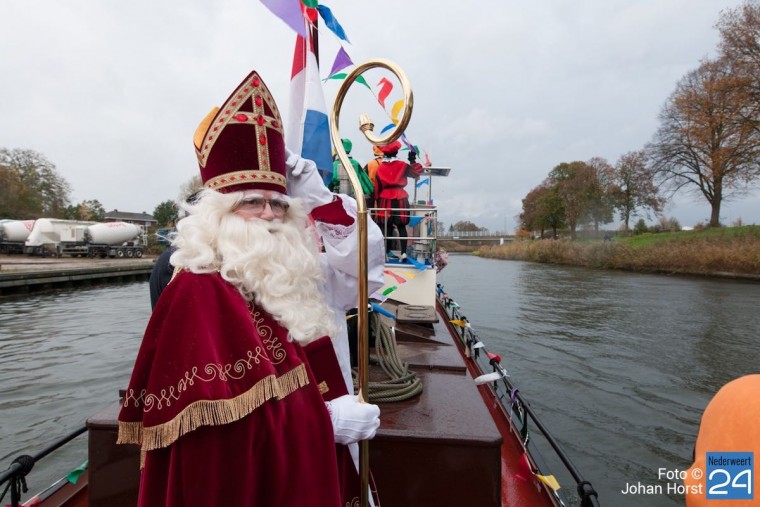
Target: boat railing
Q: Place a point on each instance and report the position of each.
(509, 396)
(421, 231)
(16, 473)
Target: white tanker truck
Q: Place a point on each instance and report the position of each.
(51, 236)
(13, 234)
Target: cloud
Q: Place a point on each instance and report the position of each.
(112, 92)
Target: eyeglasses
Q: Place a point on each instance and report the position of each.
(257, 205)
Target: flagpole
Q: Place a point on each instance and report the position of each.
(365, 126)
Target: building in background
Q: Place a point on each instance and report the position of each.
(144, 219)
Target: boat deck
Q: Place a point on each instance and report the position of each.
(445, 447)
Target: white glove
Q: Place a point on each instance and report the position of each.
(305, 183)
(353, 421)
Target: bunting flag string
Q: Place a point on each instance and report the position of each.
(301, 16)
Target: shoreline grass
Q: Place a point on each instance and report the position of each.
(726, 252)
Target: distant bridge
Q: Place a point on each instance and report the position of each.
(482, 237)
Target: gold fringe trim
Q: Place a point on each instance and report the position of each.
(323, 387)
(212, 412)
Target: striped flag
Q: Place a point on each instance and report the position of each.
(308, 129)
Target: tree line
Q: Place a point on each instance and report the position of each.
(707, 144)
(31, 188)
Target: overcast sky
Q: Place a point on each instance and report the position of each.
(112, 92)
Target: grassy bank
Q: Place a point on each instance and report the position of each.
(727, 251)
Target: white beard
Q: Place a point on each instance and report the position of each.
(275, 264)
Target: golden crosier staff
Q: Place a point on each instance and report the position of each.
(366, 126)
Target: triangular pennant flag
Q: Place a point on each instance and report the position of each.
(488, 377)
(417, 264)
(331, 22)
(396, 109)
(387, 127)
(458, 322)
(396, 277)
(550, 481)
(359, 79)
(290, 12)
(415, 219)
(75, 474)
(385, 90)
(382, 311)
(342, 60)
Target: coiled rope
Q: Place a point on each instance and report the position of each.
(402, 383)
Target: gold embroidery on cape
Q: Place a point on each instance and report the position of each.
(212, 412)
(271, 342)
(323, 388)
(212, 371)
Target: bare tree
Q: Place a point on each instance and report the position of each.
(704, 143)
(191, 186)
(634, 188)
(740, 45)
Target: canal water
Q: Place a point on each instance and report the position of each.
(619, 366)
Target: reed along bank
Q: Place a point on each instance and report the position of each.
(724, 251)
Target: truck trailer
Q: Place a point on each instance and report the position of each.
(13, 234)
(51, 236)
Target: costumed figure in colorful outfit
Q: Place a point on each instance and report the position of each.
(239, 393)
(372, 165)
(340, 182)
(390, 192)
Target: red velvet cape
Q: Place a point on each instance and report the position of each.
(226, 409)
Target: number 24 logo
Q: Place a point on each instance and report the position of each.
(718, 489)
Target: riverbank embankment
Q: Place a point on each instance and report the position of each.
(23, 274)
(729, 252)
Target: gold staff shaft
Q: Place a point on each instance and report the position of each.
(366, 127)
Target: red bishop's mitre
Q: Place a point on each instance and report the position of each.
(241, 146)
